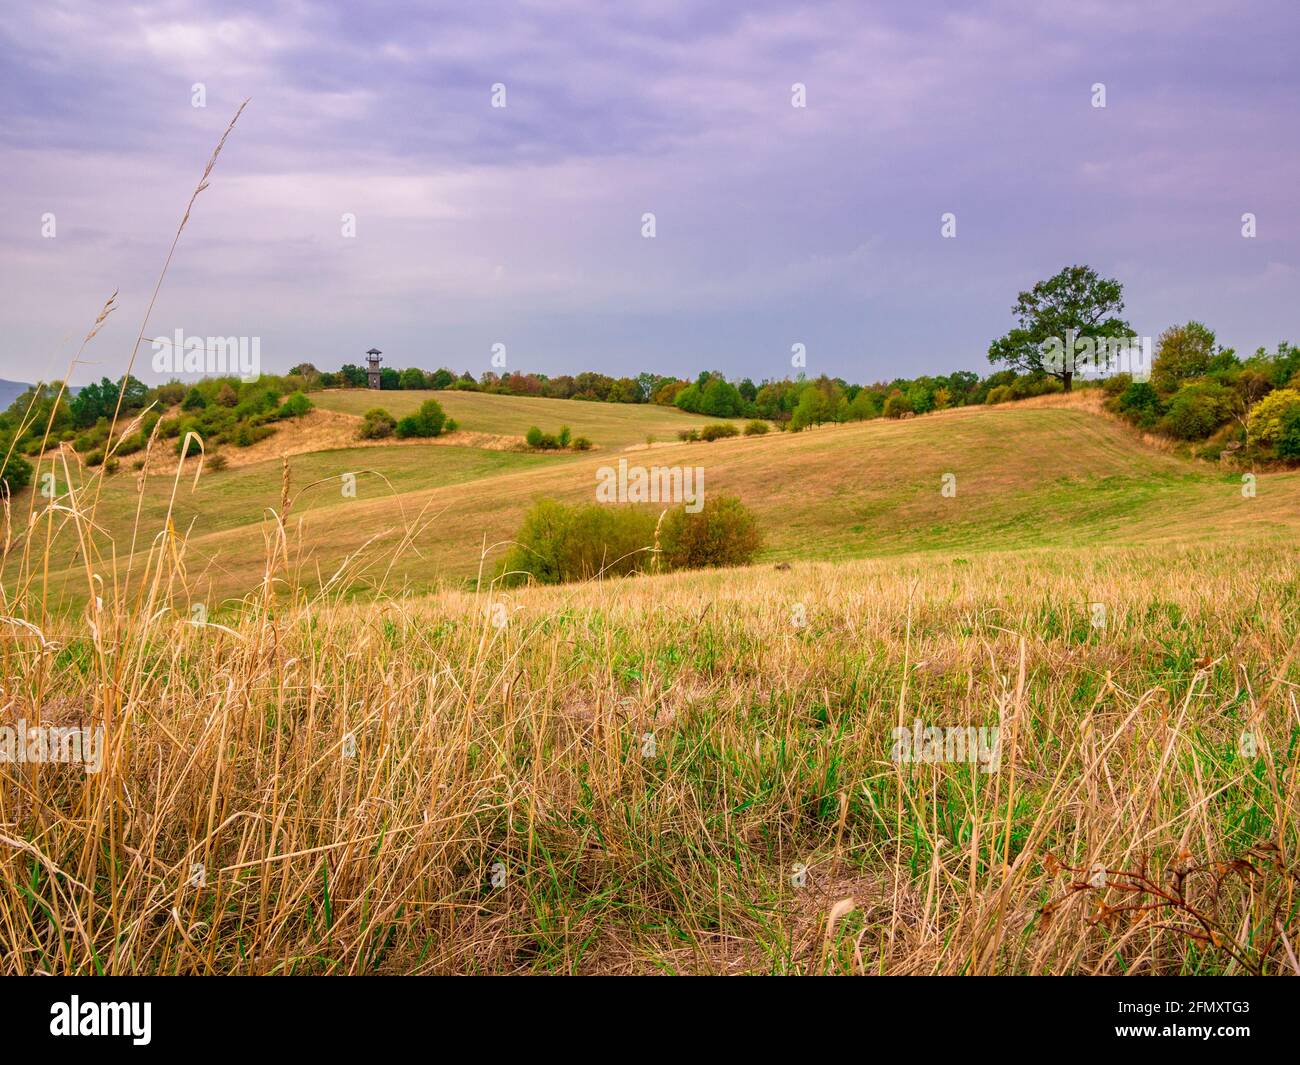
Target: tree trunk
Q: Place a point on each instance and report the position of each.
(1068, 378)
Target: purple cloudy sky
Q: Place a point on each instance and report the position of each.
(522, 225)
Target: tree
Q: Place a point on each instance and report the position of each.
(411, 378)
(813, 408)
(1182, 352)
(97, 401)
(1061, 320)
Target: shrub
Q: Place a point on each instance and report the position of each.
(998, 394)
(1114, 386)
(581, 443)
(559, 543)
(1270, 418)
(1034, 385)
(540, 441)
(194, 400)
(1197, 410)
(248, 435)
(218, 462)
(377, 424)
(688, 434)
(15, 471)
(1288, 443)
(722, 533)
(897, 405)
(755, 428)
(262, 401)
(1140, 403)
(718, 431)
(428, 421)
(295, 406)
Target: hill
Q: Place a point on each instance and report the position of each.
(1056, 476)
(10, 391)
(610, 425)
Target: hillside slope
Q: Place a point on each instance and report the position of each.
(1062, 478)
(607, 425)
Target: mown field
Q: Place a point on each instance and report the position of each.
(609, 425)
(688, 773)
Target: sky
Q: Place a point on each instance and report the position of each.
(523, 224)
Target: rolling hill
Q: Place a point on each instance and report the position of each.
(605, 424)
(1057, 476)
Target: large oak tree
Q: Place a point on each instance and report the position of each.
(1077, 303)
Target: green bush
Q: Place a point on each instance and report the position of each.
(15, 471)
(1197, 410)
(540, 441)
(1140, 404)
(897, 405)
(998, 394)
(561, 543)
(248, 435)
(1269, 418)
(1288, 443)
(295, 406)
(377, 424)
(755, 428)
(427, 421)
(581, 443)
(1115, 385)
(688, 434)
(718, 431)
(1034, 385)
(722, 533)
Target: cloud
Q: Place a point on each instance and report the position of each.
(473, 220)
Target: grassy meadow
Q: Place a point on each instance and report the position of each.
(361, 760)
(607, 425)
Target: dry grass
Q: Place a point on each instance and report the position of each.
(525, 745)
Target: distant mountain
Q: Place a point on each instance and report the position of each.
(10, 391)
